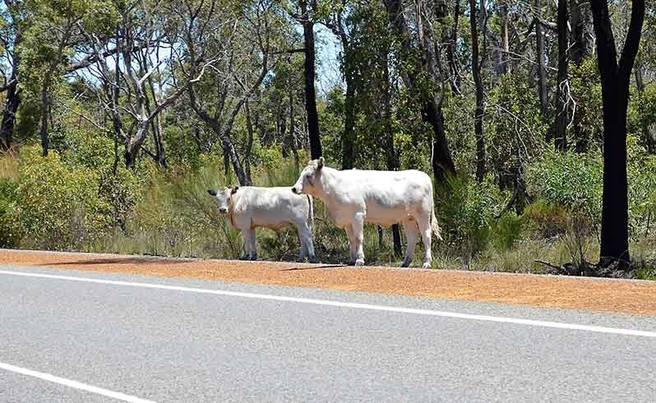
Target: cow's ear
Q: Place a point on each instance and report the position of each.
(212, 192)
(320, 164)
(234, 190)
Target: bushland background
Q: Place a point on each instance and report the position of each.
(118, 115)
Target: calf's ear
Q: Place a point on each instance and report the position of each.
(320, 164)
(212, 192)
(234, 190)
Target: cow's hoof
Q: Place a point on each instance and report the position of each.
(359, 262)
(312, 259)
(405, 264)
(426, 266)
(243, 258)
(254, 257)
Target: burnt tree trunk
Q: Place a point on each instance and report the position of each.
(309, 73)
(478, 119)
(615, 93)
(431, 111)
(12, 102)
(562, 109)
(9, 117)
(392, 158)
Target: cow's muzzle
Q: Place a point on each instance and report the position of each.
(223, 210)
(295, 190)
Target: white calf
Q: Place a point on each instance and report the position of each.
(354, 197)
(249, 207)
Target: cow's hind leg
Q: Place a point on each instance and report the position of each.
(411, 233)
(358, 235)
(426, 233)
(352, 247)
(305, 239)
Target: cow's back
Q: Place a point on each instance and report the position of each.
(385, 196)
(273, 207)
(387, 187)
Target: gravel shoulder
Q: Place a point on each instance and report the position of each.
(602, 295)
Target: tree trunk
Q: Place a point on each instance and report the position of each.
(505, 46)
(160, 154)
(451, 51)
(615, 92)
(348, 139)
(478, 119)
(392, 158)
(648, 134)
(562, 109)
(309, 73)
(45, 114)
(9, 118)
(292, 128)
(542, 71)
(13, 98)
(249, 145)
(614, 221)
(579, 21)
(431, 111)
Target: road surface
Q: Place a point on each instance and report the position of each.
(75, 336)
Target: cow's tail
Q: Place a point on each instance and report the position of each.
(434, 225)
(310, 219)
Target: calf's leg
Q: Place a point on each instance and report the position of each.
(309, 245)
(411, 232)
(245, 244)
(253, 246)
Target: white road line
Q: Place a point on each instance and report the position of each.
(74, 384)
(354, 305)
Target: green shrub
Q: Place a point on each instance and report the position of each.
(571, 180)
(506, 231)
(466, 211)
(545, 219)
(59, 203)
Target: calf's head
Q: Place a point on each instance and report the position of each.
(222, 197)
(310, 175)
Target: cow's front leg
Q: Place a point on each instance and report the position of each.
(244, 245)
(358, 236)
(352, 246)
(251, 239)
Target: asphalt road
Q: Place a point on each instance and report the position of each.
(181, 345)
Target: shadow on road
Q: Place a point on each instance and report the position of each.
(327, 266)
(129, 260)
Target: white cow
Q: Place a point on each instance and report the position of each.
(354, 197)
(249, 207)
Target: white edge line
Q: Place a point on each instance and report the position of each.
(414, 311)
(74, 384)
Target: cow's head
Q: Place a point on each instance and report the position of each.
(222, 197)
(310, 175)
